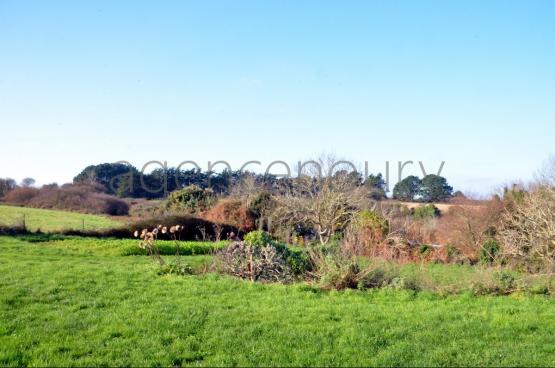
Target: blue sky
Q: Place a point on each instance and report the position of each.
(468, 83)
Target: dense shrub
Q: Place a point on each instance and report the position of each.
(260, 207)
(141, 208)
(297, 259)
(176, 267)
(258, 238)
(490, 251)
(230, 211)
(376, 186)
(372, 221)
(367, 230)
(424, 212)
(338, 271)
(254, 263)
(20, 196)
(78, 198)
(528, 230)
(468, 227)
(502, 283)
(191, 199)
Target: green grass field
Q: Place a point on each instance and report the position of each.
(50, 220)
(82, 302)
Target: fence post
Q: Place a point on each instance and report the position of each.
(83, 223)
(24, 223)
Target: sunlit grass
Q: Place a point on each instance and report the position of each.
(61, 305)
(51, 220)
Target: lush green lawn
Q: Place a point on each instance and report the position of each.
(50, 220)
(72, 302)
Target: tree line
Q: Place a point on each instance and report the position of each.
(124, 180)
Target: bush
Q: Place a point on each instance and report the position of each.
(468, 227)
(297, 259)
(425, 212)
(230, 211)
(260, 205)
(502, 283)
(176, 267)
(191, 199)
(338, 271)
(372, 221)
(78, 198)
(490, 250)
(529, 229)
(366, 232)
(254, 263)
(258, 238)
(21, 196)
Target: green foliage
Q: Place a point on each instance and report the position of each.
(425, 212)
(115, 178)
(502, 283)
(258, 238)
(296, 258)
(176, 267)
(191, 199)
(373, 221)
(6, 185)
(338, 271)
(260, 205)
(424, 249)
(407, 189)
(505, 280)
(376, 185)
(187, 248)
(434, 188)
(489, 251)
(514, 195)
(126, 181)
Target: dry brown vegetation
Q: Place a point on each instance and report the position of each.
(230, 211)
(78, 198)
(528, 231)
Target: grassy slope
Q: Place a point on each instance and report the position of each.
(60, 305)
(50, 220)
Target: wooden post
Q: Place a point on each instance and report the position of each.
(24, 223)
(83, 223)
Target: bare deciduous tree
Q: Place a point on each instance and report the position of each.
(326, 203)
(529, 227)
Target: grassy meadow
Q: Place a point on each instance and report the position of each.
(52, 220)
(83, 302)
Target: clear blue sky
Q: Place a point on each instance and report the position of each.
(468, 83)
